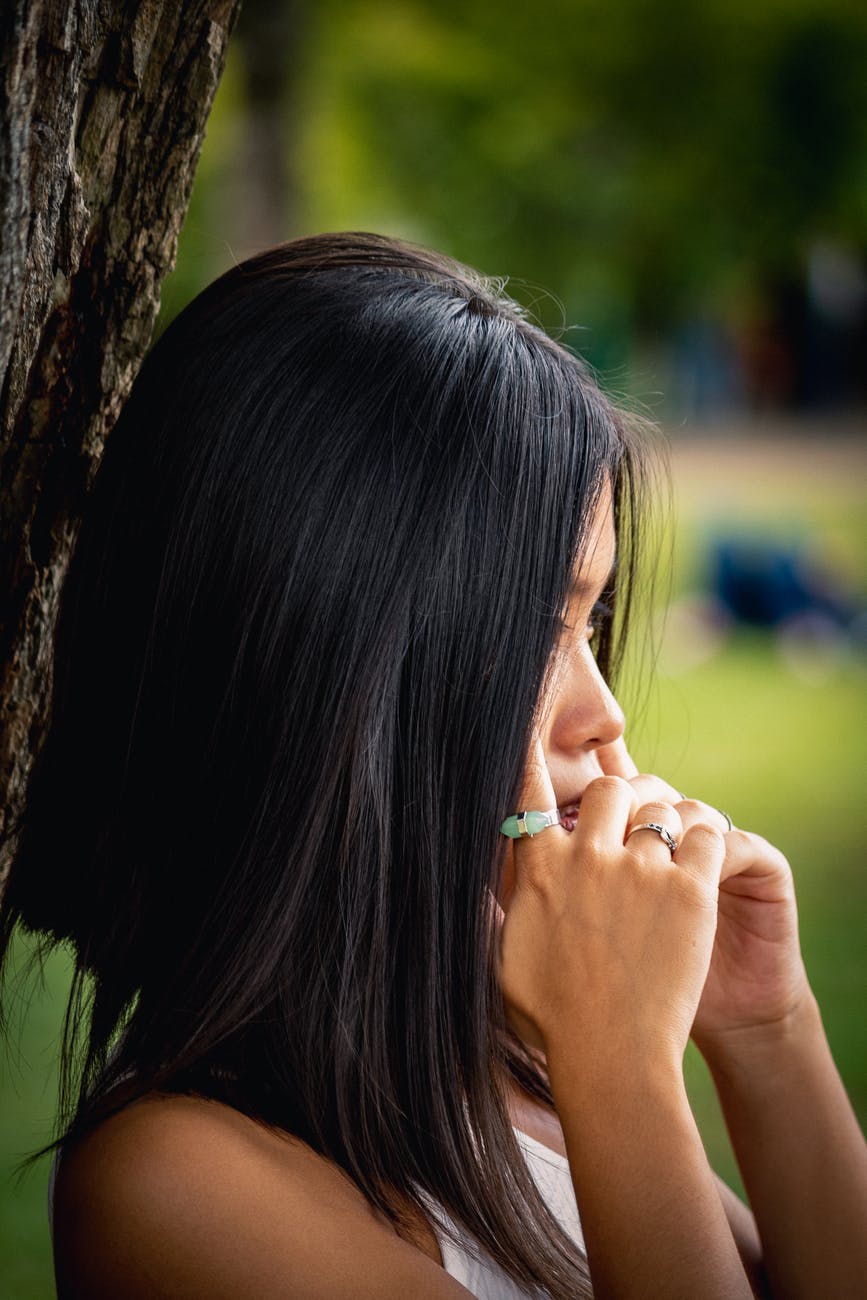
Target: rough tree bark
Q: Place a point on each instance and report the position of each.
(103, 107)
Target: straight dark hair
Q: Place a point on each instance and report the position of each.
(301, 644)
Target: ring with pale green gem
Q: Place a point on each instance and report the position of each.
(529, 823)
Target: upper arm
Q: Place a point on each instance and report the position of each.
(186, 1200)
(746, 1235)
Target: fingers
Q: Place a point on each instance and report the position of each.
(537, 790)
(760, 866)
(615, 760)
(641, 836)
(607, 806)
(701, 853)
(616, 810)
(649, 788)
(698, 828)
(693, 811)
(537, 794)
(707, 845)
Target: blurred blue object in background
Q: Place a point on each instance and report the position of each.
(763, 582)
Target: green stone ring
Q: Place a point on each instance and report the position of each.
(529, 823)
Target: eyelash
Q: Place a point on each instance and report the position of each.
(599, 616)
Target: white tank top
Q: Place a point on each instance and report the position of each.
(471, 1265)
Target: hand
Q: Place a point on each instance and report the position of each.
(606, 944)
(756, 979)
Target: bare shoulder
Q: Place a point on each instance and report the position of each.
(185, 1198)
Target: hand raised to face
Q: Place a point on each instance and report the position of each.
(605, 941)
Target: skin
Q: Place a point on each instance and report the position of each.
(612, 954)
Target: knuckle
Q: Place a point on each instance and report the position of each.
(656, 807)
(605, 785)
(647, 781)
(706, 831)
(593, 849)
(694, 807)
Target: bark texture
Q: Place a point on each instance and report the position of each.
(103, 106)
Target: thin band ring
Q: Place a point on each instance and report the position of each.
(662, 831)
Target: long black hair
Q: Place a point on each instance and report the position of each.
(303, 636)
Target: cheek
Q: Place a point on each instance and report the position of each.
(568, 692)
(555, 687)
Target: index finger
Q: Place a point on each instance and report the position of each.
(537, 790)
(616, 760)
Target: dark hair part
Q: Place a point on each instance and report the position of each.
(302, 640)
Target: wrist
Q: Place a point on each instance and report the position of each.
(615, 1077)
(762, 1049)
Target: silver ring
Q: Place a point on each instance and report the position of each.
(662, 831)
(723, 813)
(529, 823)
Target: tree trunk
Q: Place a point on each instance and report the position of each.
(103, 107)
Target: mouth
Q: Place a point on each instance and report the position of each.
(569, 814)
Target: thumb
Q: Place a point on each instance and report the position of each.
(537, 794)
(615, 760)
(537, 789)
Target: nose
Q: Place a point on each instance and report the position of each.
(582, 713)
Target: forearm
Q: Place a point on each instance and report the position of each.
(801, 1155)
(650, 1211)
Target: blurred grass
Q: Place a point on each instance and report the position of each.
(784, 753)
(28, 1086)
(785, 756)
(786, 759)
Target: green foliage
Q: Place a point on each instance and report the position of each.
(646, 163)
(641, 159)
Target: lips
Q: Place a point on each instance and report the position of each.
(569, 814)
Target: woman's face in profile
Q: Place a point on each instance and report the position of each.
(579, 716)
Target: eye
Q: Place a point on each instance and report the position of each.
(599, 616)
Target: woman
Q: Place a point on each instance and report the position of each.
(343, 602)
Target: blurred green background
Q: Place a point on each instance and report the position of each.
(680, 193)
